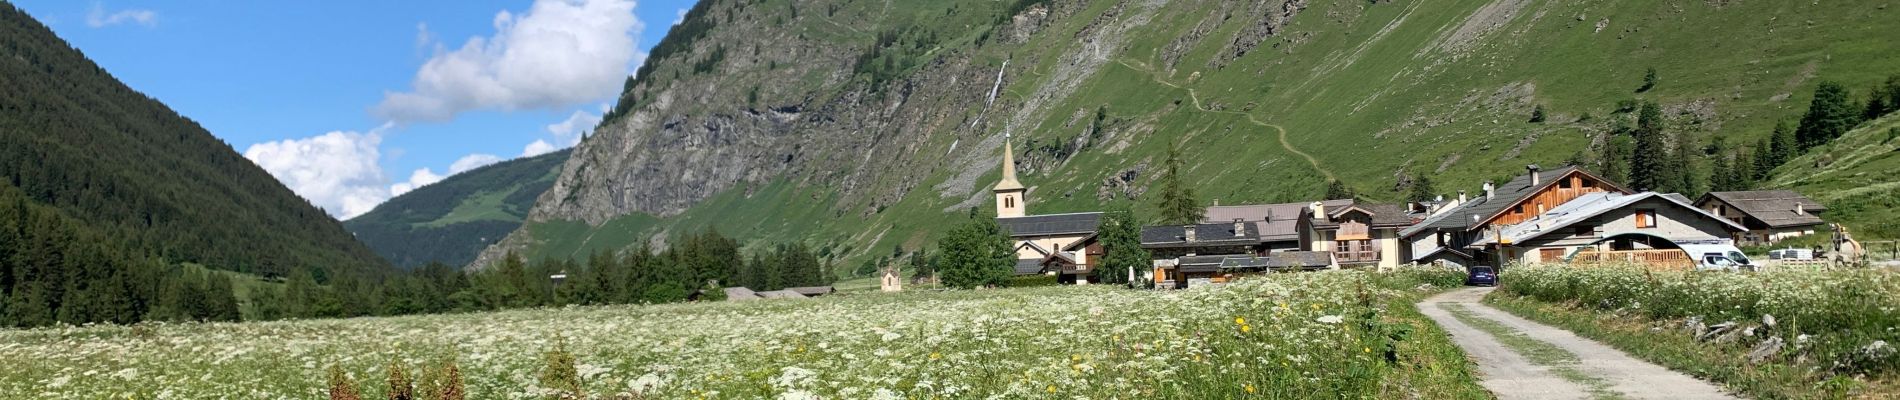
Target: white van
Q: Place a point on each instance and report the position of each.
(1718, 257)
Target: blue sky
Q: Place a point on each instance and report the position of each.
(350, 102)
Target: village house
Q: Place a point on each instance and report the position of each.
(1451, 234)
(1651, 228)
(1254, 239)
(1059, 244)
(1566, 214)
(1358, 235)
(1769, 215)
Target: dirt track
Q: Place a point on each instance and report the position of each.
(1520, 359)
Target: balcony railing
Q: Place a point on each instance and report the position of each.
(1357, 256)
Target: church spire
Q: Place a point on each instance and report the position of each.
(1009, 182)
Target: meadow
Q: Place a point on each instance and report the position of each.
(1333, 334)
(1782, 333)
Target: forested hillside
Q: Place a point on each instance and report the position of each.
(453, 220)
(107, 193)
(859, 127)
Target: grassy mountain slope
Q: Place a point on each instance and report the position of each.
(1855, 177)
(765, 122)
(452, 220)
(74, 138)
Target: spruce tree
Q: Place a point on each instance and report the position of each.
(1120, 235)
(976, 254)
(1614, 163)
(1649, 80)
(1177, 202)
(1650, 162)
(1783, 145)
(1537, 114)
(1683, 175)
(1829, 115)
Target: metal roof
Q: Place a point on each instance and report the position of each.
(1585, 207)
(1052, 224)
(1484, 207)
(1275, 222)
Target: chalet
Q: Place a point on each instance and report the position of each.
(1277, 225)
(1045, 243)
(1358, 235)
(1195, 251)
(1451, 234)
(1769, 215)
(1647, 227)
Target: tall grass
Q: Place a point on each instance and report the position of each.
(1844, 320)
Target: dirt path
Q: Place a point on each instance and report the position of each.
(1520, 359)
(1196, 98)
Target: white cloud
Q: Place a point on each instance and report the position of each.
(559, 53)
(97, 17)
(337, 171)
(569, 132)
(471, 162)
(680, 16)
(539, 147)
(420, 178)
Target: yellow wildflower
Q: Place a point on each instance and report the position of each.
(1052, 388)
(1245, 329)
(1240, 321)
(1249, 388)
(936, 355)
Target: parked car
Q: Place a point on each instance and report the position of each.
(1481, 276)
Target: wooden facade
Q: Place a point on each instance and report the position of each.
(1567, 188)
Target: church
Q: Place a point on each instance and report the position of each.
(1063, 245)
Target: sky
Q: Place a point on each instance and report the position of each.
(352, 102)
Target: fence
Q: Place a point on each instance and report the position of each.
(1660, 260)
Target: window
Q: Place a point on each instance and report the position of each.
(1009, 202)
(1645, 218)
(1566, 183)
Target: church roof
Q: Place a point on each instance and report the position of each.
(1009, 182)
(1052, 224)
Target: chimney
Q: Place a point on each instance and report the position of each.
(1217, 202)
(1461, 197)
(1187, 232)
(1319, 209)
(1800, 209)
(1535, 179)
(1240, 228)
(1490, 190)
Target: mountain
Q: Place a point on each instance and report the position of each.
(859, 127)
(78, 146)
(1854, 177)
(453, 220)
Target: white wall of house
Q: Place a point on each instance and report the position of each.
(1390, 252)
(1673, 222)
(1053, 243)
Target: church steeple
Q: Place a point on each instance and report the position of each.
(1011, 197)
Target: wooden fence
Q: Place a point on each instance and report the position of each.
(1659, 260)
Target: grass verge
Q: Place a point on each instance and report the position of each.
(1655, 341)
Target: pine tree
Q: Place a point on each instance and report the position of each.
(1829, 115)
(1422, 190)
(1336, 190)
(1120, 234)
(221, 299)
(976, 254)
(1614, 163)
(1683, 175)
(1177, 202)
(1650, 162)
(1649, 80)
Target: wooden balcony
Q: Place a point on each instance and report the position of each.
(1659, 260)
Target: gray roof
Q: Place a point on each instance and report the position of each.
(1774, 208)
(1275, 222)
(1284, 260)
(1175, 236)
(1211, 263)
(812, 290)
(1588, 206)
(739, 293)
(1052, 224)
(1301, 259)
(1028, 266)
(1383, 215)
(1504, 196)
(781, 294)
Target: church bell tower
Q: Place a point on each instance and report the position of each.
(1012, 199)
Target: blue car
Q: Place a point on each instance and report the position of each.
(1481, 276)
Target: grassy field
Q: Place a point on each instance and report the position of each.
(1344, 334)
(1854, 176)
(1834, 328)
